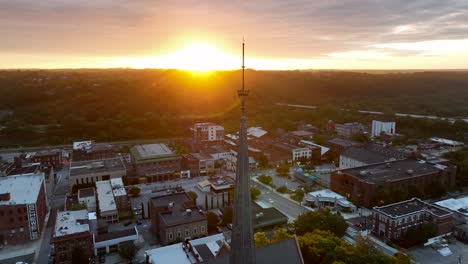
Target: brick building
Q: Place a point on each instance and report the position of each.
(89, 150)
(23, 207)
(361, 183)
(199, 164)
(370, 154)
(48, 158)
(204, 134)
(175, 217)
(91, 171)
(155, 162)
(72, 230)
(393, 220)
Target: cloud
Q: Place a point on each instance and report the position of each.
(274, 29)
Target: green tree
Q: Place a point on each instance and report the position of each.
(265, 179)
(279, 235)
(193, 195)
(283, 170)
(254, 193)
(78, 206)
(128, 250)
(361, 137)
(322, 219)
(263, 161)
(261, 239)
(135, 191)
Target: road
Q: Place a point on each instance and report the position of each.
(286, 206)
(115, 143)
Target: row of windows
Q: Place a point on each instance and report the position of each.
(19, 210)
(187, 233)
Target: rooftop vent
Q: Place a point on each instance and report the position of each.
(409, 172)
(188, 211)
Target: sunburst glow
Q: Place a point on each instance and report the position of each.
(194, 56)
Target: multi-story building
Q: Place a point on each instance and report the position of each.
(296, 152)
(393, 220)
(379, 127)
(120, 194)
(175, 217)
(88, 172)
(48, 158)
(23, 207)
(371, 154)
(106, 205)
(89, 150)
(361, 183)
(155, 162)
(87, 196)
(207, 133)
(346, 129)
(72, 230)
(199, 164)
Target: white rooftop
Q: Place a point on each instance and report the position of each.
(68, 223)
(118, 187)
(176, 254)
(256, 132)
(23, 189)
(323, 149)
(105, 196)
(150, 150)
(455, 204)
(327, 195)
(85, 145)
(446, 141)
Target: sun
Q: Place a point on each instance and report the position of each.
(200, 57)
(195, 56)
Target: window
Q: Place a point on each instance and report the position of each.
(187, 232)
(194, 230)
(202, 229)
(179, 234)
(171, 236)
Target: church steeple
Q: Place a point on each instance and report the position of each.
(242, 242)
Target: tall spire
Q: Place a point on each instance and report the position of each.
(242, 242)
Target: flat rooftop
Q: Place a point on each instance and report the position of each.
(87, 192)
(459, 205)
(151, 151)
(342, 142)
(71, 222)
(183, 209)
(96, 166)
(409, 207)
(118, 187)
(23, 189)
(105, 196)
(392, 171)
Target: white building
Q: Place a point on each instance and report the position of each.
(106, 202)
(379, 127)
(328, 198)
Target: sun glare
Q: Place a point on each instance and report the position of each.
(196, 57)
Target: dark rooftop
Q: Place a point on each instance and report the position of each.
(116, 234)
(391, 171)
(342, 142)
(180, 209)
(285, 251)
(96, 166)
(410, 206)
(88, 192)
(373, 154)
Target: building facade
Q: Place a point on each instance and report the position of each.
(89, 150)
(379, 127)
(393, 220)
(155, 162)
(50, 158)
(199, 164)
(23, 207)
(360, 184)
(207, 133)
(89, 172)
(175, 217)
(72, 231)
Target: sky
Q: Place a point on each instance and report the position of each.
(195, 34)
